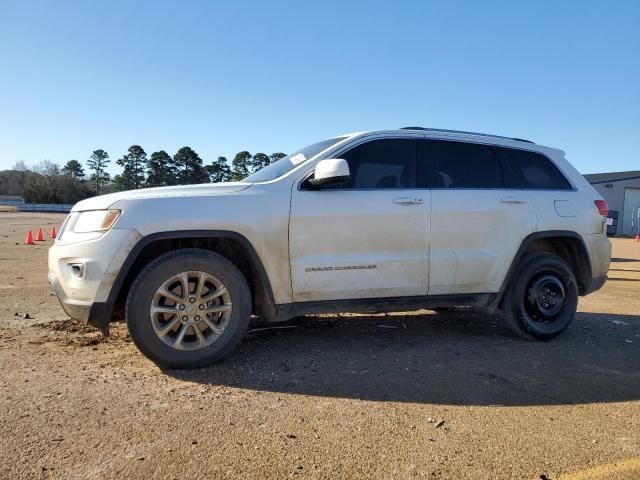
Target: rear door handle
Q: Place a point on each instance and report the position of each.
(513, 200)
(407, 201)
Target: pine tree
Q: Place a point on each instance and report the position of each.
(189, 166)
(219, 171)
(161, 170)
(73, 168)
(241, 165)
(97, 163)
(259, 161)
(134, 163)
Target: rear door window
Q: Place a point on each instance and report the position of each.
(448, 164)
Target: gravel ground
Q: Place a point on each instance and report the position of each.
(414, 395)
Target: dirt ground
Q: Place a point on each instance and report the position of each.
(330, 397)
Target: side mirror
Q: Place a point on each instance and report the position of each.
(331, 171)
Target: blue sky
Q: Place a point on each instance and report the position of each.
(272, 76)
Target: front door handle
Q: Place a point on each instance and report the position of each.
(407, 201)
(513, 200)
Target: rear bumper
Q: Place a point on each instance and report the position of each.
(599, 248)
(597, 283)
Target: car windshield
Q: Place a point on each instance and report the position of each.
(282, 166)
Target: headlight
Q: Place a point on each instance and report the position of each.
(95, 221)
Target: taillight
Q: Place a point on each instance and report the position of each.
(603, 208)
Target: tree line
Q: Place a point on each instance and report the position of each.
(47, 182)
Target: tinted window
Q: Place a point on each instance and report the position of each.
(382, 164)
(532, 170)
(459, 165)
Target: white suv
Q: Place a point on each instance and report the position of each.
(370, 221)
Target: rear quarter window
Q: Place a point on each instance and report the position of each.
(532, 170)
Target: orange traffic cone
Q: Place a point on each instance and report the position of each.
(29, 239)
(39, 236)
(53, 232)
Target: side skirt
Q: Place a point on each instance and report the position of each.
(487, 301)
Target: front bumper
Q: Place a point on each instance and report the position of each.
(96, 314)
(85, 297)
(76, 309)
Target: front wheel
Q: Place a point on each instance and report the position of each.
(542, 298)
(188, 308)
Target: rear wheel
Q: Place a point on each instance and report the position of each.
(542, 299)
(188, 308)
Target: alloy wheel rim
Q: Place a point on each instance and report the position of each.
(190, 310)
(545, 298)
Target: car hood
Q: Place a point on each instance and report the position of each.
(203, 190)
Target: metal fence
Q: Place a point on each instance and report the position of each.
(39, 207)
(12, 202)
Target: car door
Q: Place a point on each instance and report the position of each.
(367, 238)
(477, 225)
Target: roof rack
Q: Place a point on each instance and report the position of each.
(442, 130)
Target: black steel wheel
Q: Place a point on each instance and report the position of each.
(542, 297)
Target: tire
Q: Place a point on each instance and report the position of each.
(542, 298)
(221, 312)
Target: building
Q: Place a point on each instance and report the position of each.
(621, 190)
